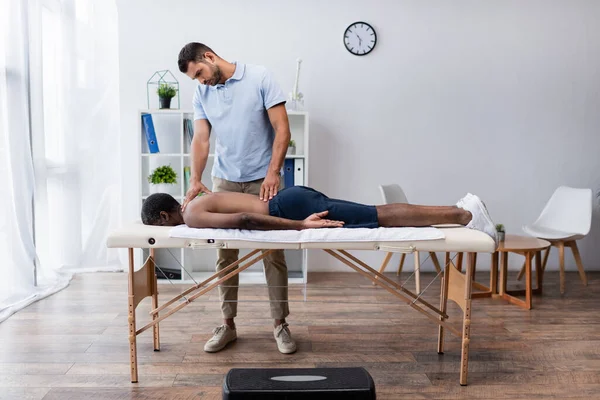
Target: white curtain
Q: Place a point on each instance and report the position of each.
(59, 144)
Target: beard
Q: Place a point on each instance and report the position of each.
(216, 75)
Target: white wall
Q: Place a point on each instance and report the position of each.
(497, 97)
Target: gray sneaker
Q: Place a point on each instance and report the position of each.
(283, 337)
(221, 336)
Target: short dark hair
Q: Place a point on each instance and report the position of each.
(154, 204)
(193, 51)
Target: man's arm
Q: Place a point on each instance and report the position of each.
(199, 150)
(197, 217)
(250, 221)
(279, 119)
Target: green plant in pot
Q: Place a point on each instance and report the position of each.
(291, 147)
(501, 232)
(163, 180)
(165, 93)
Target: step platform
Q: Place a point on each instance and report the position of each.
(298, 384)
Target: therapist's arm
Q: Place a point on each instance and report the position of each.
(199, 155)
(279, 119)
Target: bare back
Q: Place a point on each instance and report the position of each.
(230, 203)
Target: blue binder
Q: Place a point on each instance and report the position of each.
(150, 133)
(288, 172)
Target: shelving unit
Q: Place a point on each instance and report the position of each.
(174, 150)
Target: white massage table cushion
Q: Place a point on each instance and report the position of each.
(454, 239)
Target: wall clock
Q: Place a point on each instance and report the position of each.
(360, 38)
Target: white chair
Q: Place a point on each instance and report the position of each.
(566, 218)
(394, 194)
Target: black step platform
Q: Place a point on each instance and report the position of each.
(298, 384)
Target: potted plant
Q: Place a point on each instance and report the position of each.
(501, 232)
(163, 180)
(291, 147)
(165, 93)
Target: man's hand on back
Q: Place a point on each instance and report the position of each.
(196, 187)
(270, 186)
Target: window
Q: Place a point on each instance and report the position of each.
(5, 211)
(49, 138)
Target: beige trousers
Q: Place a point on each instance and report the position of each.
(274, 264)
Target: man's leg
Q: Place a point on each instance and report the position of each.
(228, 290)
(276, 274)
(401, 214)
(469, 211)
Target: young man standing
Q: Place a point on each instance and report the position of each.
(244, 108)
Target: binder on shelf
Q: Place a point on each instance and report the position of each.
(150, 133)
(298, 171)
(288, 172)
(188, 128)
(186, 178)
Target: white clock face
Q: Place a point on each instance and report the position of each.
(360, 38)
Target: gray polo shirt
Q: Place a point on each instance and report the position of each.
(237, 112)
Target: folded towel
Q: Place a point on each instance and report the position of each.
(311, 235)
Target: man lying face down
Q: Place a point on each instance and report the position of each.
(300, 207)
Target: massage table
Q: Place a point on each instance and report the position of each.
(337, 242)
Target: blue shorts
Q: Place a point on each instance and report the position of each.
(299, 202)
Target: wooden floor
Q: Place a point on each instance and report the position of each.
(73, 345)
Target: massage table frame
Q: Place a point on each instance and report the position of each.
(455, 286)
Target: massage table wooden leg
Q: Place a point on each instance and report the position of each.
(394, 288)
(154, 283)
(417, 273)
(456, 285)
(466, 336)
(458, 289)
(131, 319)
(443, 303)
(143, 283)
